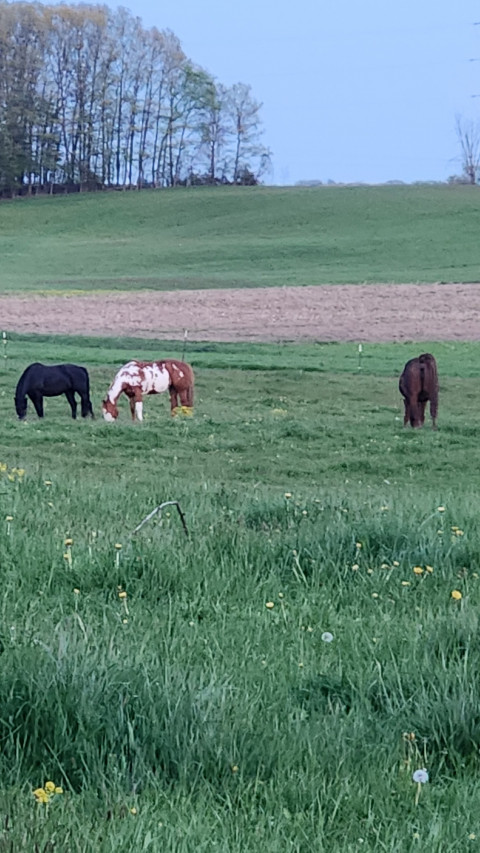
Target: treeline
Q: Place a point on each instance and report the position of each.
(89, 99)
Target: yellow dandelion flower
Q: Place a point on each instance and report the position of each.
(406, 583)
(47, 482)
(50, 787)
(358, 545)
(270, 605)
(122, 594)
(41, 795)
(456, 594)
(395, 563)
(58, 789)
(288, 495)
(355, 567)
(68, 542)
(472, 836)
(418, 570)
(374, 594)
(234, 768)
(440, 509)
(133, 810)
(9, 518)
(429, 569)
(118, 546)
(76, 591)
(459, 533)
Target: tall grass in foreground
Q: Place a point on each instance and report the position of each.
(212, 682)
(272, 681)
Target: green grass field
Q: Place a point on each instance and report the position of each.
(272, 680)
(240, 237)
(206, 709)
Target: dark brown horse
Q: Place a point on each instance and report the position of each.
(419, 384)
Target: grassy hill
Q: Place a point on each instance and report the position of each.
(240, 237)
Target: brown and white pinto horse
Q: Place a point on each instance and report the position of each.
(151, 377)
(418, 384)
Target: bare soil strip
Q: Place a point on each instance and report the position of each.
(369, 313)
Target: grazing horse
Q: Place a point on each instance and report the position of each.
(42, 380)
(151, 377)
(418, 384)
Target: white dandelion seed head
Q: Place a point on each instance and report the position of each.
(420, 776)
(327, 637)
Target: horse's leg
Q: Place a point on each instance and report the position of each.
(406, 416)
(86, 406)
(421, 406)
(37, 401)
(434, 409)
(136, 405)
(186, 399)
(70, 395)
(173, 400)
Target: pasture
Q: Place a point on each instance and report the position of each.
(240, 237)
(185, 693)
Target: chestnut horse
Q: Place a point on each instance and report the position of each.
(151, 377)
(418, 384)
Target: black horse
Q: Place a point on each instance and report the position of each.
(41, 380)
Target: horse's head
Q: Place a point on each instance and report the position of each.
(21, 406)
(109, 410)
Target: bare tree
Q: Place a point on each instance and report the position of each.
(244, 112)
(468, 135)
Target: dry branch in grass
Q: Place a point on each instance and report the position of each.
(158, 509)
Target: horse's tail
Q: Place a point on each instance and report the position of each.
(429, 381)
(21, 393)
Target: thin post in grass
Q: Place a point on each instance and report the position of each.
(159, 509)
(360, 350)
(4, 339)
(185, 336)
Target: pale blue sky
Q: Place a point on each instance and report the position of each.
(351, 91)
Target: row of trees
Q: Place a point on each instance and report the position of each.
(90, 99)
